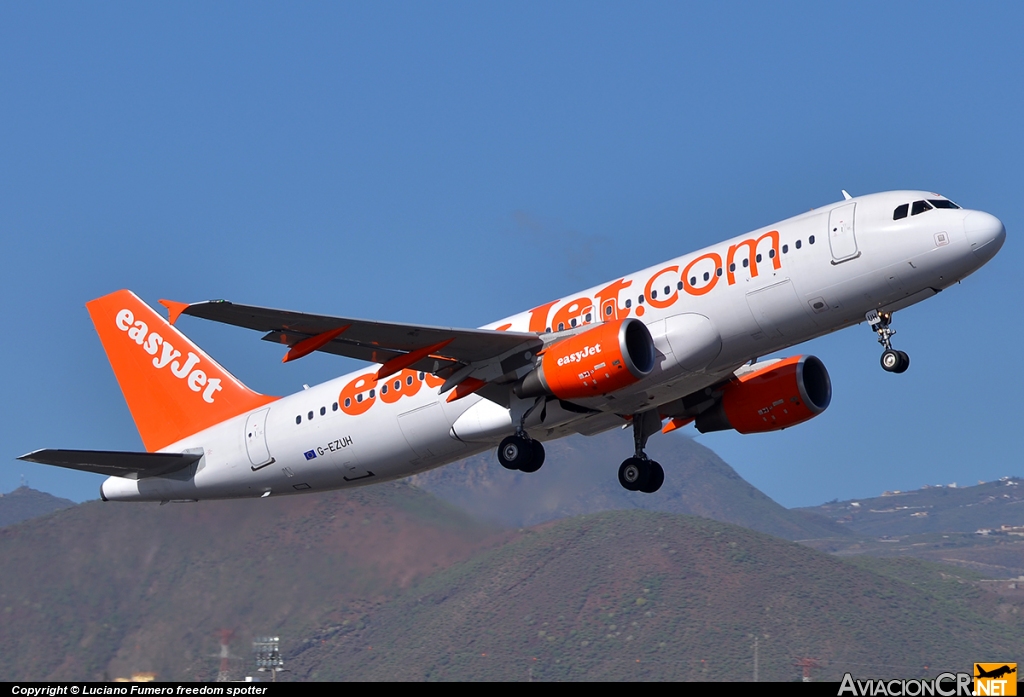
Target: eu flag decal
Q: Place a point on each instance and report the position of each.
(310, 454)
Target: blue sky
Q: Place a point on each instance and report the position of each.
(453, 163)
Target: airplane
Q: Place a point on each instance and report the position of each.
(673, 344)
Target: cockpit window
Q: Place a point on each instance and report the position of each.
(901, 211)
(942, 203)
(920, 207)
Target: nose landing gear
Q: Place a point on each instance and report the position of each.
(892, 361)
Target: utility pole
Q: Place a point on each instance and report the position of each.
(755, 659)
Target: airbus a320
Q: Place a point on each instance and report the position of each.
(655, 350)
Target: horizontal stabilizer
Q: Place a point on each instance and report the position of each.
(115, 463)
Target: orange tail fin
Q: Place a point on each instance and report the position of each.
(172, 387)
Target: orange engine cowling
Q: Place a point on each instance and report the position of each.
(604, 359)
(778, 396)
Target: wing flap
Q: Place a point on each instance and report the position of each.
(115, 463)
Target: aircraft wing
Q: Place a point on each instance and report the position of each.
(115, 463)
(450, 353)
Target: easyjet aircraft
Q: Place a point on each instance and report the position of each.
(660, 348)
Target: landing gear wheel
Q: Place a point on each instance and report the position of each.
(904, 362)
(895, 361)
(514, 452)
(655, 477)
(536, 457)
(891, 361)
(634, 474)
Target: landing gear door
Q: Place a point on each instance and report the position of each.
(841, 237)
(256, 439)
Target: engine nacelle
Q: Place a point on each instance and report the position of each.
(604, 359)
(777, 396)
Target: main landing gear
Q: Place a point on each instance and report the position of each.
(520, 452)
(892, 360)
(639, 473)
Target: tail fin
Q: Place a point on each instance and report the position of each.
(172, 387)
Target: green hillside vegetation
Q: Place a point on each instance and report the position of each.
(107, 589)
(636, 595)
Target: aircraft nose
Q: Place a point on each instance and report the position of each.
(985, 233)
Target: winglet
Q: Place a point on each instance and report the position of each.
(174, 309)
(308, 346)
(846, 195)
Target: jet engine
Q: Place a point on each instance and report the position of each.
(604, 359)
(777, 396)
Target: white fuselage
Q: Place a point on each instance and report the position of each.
(709, 312)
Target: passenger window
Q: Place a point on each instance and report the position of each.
(629, 303)
(746, 263)
(310, 416)
(679, 285)
(323, 410)
(718, 271)
(771, 253)
(732, 267)
(693, 280)
(707, 276)
(758, 258)
(298, 419)
(785, 249)
(668, 289)
(608, 310)
(654, 295)
(334, 407)
(920, 207)
(640, 300)
(572, 322)
(798, 244)
(901, 212)
(810, 240)
(384, 389)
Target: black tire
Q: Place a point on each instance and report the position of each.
(633, 474)
(655, 477)
(515, 452)
(537, 457)
(904, 362)
(891, 361)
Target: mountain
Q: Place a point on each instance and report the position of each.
(108, 589)
(639, 595)
(24, 503)
(580, 476)
(976, 527)
(931, 509)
